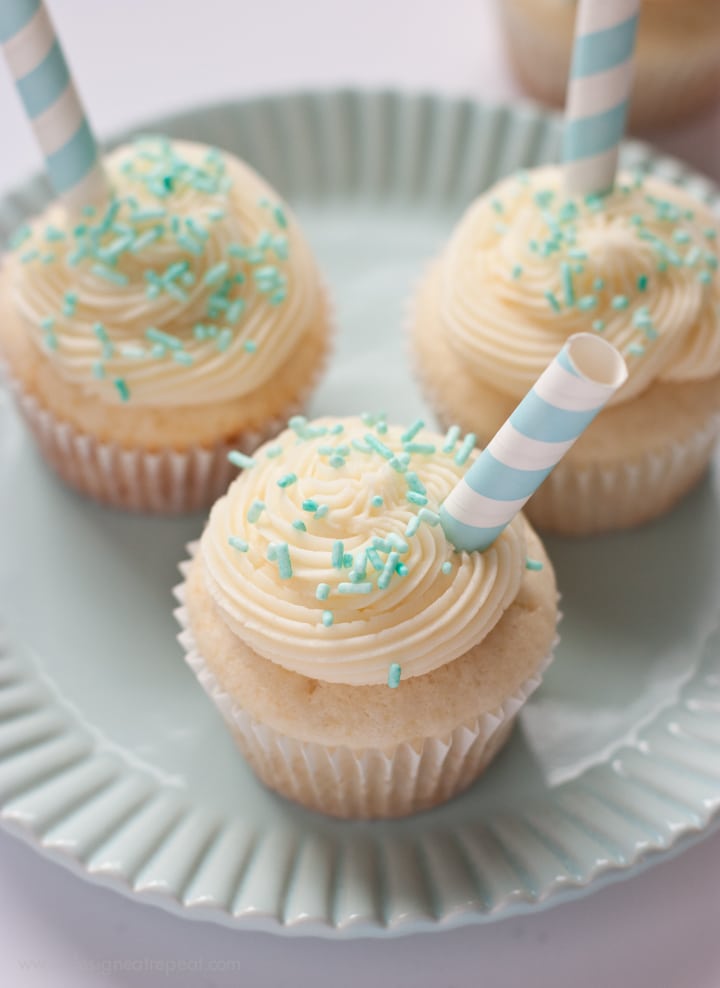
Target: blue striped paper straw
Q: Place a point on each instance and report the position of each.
(556, 411)
(43, 80)
(598, 93)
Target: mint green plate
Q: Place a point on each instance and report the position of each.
(113, 760)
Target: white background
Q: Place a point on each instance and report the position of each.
(136, 58)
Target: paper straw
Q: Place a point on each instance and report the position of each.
(563, 402)
(598, 93)
(43, 80)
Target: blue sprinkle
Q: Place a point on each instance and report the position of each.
(338, 551)
(446, 567)
(533, 564)
(255, 510)
(363, 588)
(280, 552)
(327, 618)
(452, 436)
(412, 431)
(237, 543)
(287, 479)
(394, 673)
(322, 591)
(466, 448)
(415, 498)
(240, 460)
(431, 517)
(376, 501)
(310, 505)
(300, 525)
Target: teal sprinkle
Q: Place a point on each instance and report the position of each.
(414, 498)
(30, 255)
(711, 260)
(272, 452)
(692, 256)
(497, 206)
(145, 215)
(427, 448)
(48, 258)
(51, 341)
(190, 245)
(382, 544)
(237, 543)
(394, 673)
(451, 437)
(446, 567)
(47, 324)
(554, 304)
(414, 482)
(681, 236)
(598, 325)
(359, 567)
(180, 357)
(367, 419)
(599, 284)
(704, 277)
(280, 217)
(431, 517)
(336, 429)
(158, 336)
(577, 254)
(388, 570)
(642, 282)
(109, 274)
(636, 350)
(235, 310)
(322, 511)
(216, 273)
(100, 331)
(122, 388)
(620, 302)
(255, 510)
(240, 460)
(412, 526)
(98, 370)
(567, 283)
(299, 525)
(347, 560)
(322, 591)
(365, 587)
(337, 461)
(279, 552)
(587, 302)
(400, 466)
(249, 346)
(338, 552)
(373, 557)
(381, 428)
(224, 339)
(237, 250)
(69, 303)
(199, 331)
(158, 351)
(401, 569)
(516, 272)
(310, 505)
(412, 431)
(397, 543)
(278, 297)
(641, 317)
(533, 564)
(287, 479)
(466, 448)
(327, 618)
(378, 446)
(145, 239)
(196, 228)
(132, 351)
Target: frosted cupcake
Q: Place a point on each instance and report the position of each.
(677, 62)
(524, 270)
(364, 667)
(147, 337)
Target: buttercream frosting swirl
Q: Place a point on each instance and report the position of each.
(526, 268)
(193, 286)
(321, 485)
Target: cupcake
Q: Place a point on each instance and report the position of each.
(364, 666)
(525, 269)
(146, 337)
(677, 62)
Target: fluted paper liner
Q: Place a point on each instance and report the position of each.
(166, 482)
(360, 783)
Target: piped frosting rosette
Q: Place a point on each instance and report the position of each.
(528, 267)
(193, 285)
(326, 555)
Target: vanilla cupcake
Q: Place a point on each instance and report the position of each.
(363, 665)
(677, 59)
(525, 269)
(148, 336)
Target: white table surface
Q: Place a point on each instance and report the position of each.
(659, 930)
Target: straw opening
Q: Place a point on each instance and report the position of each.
(596, 360)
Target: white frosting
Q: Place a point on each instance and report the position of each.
(506, 329)
(126, 311)
(422, 620)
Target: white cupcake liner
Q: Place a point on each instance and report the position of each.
(591, 499)
(596, 498)
(364, 783)
(169, 481)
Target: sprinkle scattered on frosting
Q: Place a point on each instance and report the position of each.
(308, 561)
(154, 246)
